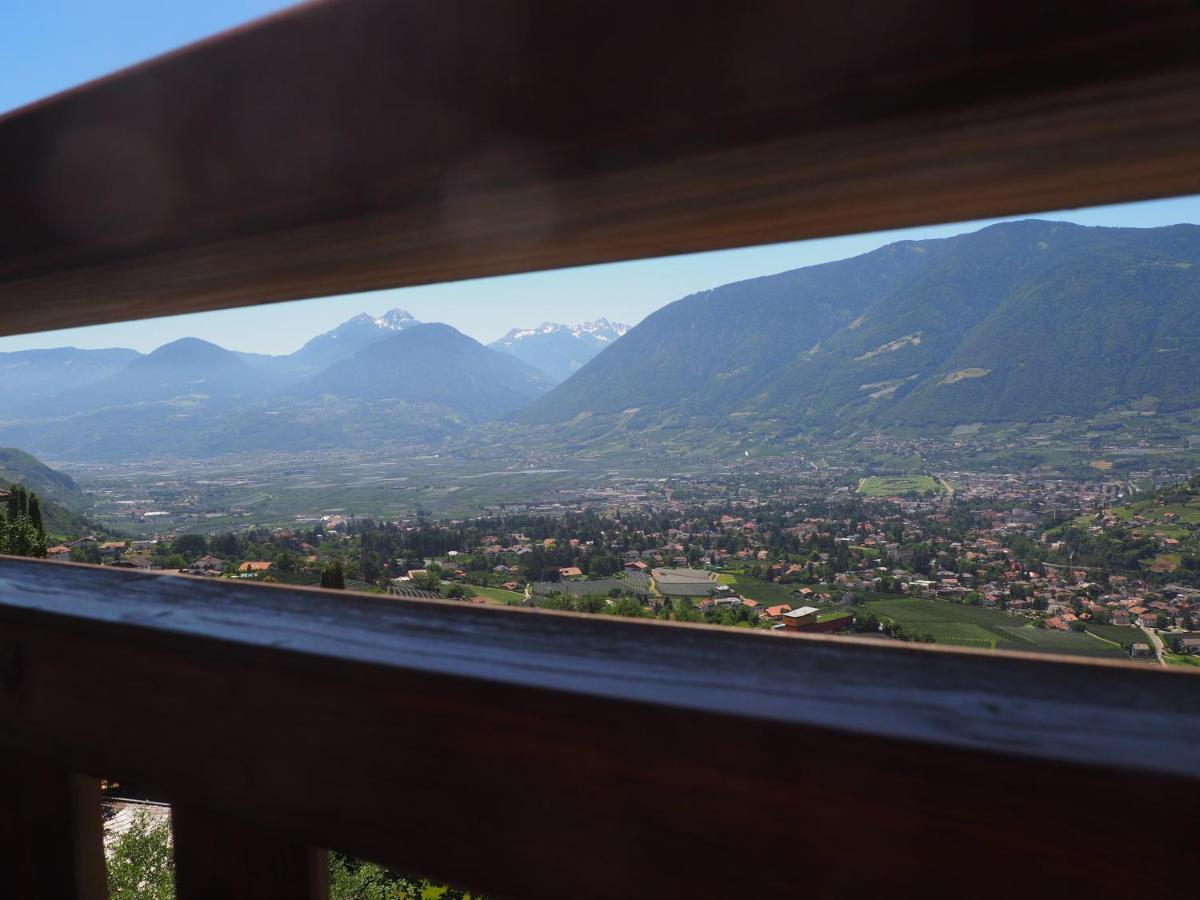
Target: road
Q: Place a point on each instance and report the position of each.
(1157, 644)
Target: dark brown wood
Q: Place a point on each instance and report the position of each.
(542, 755)
(220, 856)
(363, 144)
(51, 833)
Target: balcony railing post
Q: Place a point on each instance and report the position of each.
(51, 831)
(216, 856)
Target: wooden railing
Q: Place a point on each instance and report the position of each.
(551, 755)
(369, 143)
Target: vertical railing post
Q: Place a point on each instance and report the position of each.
(51, 831)
(217, 856)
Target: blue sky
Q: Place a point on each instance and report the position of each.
(49, 45)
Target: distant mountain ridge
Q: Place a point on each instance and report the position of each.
(560, 350)
(370, 380)
(433, 364)
(30, 377)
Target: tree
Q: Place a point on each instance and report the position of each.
(35, 513)
(141, 864)
(18, 537)
(627, 606)
(333, 577)
(352, 879)
(426, 581)
(286, 561)
(190, 546)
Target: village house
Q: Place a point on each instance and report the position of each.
(254, 567)
(206, 565)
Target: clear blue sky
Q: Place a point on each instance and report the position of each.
(49, 45)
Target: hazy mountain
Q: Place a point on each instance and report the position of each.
(560, 350)
(343, 342)
(29, 377)
(192, 398)
(1016, 322)
(188, 371)
(433, 364)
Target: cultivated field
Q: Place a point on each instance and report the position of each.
(766, 592)
(972, 626)
(897, 485)
(498, 595)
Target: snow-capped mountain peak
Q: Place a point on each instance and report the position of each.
(599, 330)
(560, 350)
(396, 320)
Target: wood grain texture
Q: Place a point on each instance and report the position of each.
(219, 856)
(359, 144)
(51, 835)
(540, 755)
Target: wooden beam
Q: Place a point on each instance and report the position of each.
(548, 755)
(51, 834)
(220, 856)
(360, 144)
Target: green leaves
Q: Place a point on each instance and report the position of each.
(21, 532)
(141, 864)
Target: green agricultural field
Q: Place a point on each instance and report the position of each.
(1174, 659)
(894, 486)
(972, 626)
(766, 592)
(497, 595)
(1123, 635)
(726, 578)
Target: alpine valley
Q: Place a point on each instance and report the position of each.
(1002, 330)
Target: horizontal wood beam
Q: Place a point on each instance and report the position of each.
(360, 144)
(546, 755)
(219, 856)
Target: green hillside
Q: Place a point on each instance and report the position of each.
(61, 499)
(1018, 322)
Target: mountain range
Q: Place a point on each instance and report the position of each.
(370, 380)
(560, 350)
(1018, 322)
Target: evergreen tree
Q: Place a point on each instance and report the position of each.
(333, 577)
(35, 513)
